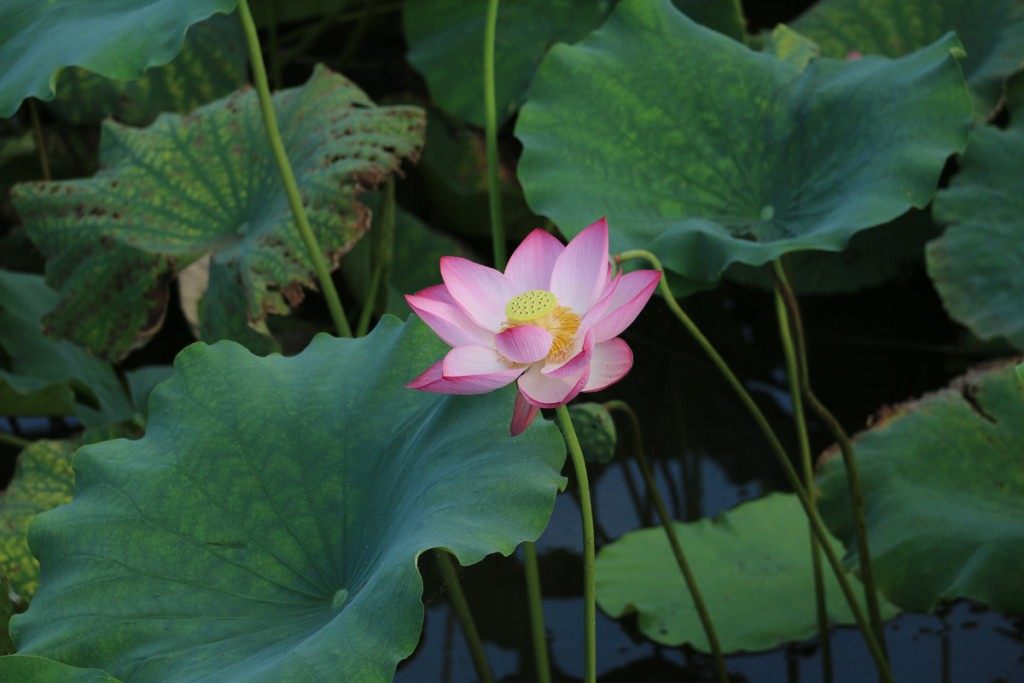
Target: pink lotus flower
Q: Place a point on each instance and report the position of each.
(549, 321)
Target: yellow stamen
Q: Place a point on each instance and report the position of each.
(541, 308)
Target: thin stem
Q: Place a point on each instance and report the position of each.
(291, 188)
(673, 538)
(856, 492)
(491, 137)
(13, 440)
(461, 607)
(383, 251)
(818, 527)
(537, 630)
(586, 510)
(792, 375)
(37, 132)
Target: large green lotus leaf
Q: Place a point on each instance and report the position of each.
(446, 45)
(206, 184)
(977, 264)
(754, 571)
(117, 39)
(943, 481)
(42, 481)
(714, 154)
(29, 669)
(267, 526)
(992, 32)
(43, 375)
(212, 63)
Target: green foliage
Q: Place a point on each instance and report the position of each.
(944, 495)
(212, 63)
(206, 183)
(754, 571)
(6, 612)
(28, 669)
(746, 157)
(724, 16)
(117, 39)
(992, 32)
(42, 481)
(977, 265)
(268, 524)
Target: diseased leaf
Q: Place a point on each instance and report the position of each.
(206, 183)
(746, 157)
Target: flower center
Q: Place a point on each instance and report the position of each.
(541, 308)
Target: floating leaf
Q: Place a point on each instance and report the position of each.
(749, 562)
(943, 481)
(206, 183)
(116, 39)
(978, 263)
(42, 481)
(29, 669)
(446, 45)
(992, 32)
(714, 154)
(211, 64)
(268, 524)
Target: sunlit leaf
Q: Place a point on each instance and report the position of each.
(116, 39)
(206, 183)
(29, 669)
(943, 481)
(753, 568)
(714, 154)
(268, 524)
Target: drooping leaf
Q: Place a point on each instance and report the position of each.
(714, 154)
(268, 524)
(206, 183)
(943, 481)
(976, 265)
(116, 39)
(992, 32)
(29, 669)
(753, 568)
(44, 375)
(43, 480)
(212, 63)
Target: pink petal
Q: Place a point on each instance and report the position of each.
(436, 307)
(531, 263)
(522, 414)
(630, 296)
(576, 365)
(433, 381)
(581, 270)
(609, 362)
(466, 370)
(482, 292)
(524, 343)
(550, 392)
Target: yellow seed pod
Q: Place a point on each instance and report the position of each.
(530, 305)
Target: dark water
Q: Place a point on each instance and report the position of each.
(869, 349)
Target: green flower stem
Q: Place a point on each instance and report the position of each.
(461, 607)
(817, 526)
(316, 254)
(491, 136)
(673, 538)
(856, 492)
(383, 250)
(533, 594)
(14, 440)
(792, 375)
(586, 510)
(37, 133)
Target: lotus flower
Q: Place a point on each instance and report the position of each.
(549, 322)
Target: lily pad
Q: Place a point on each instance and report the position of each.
(268, 524)
(116, 39)
(212, 63)
(29, 669)
(992, 32)
(42, 481)
(977, 263)
(754, 571)
(714, 154)
(943, 481)
(206, 183)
